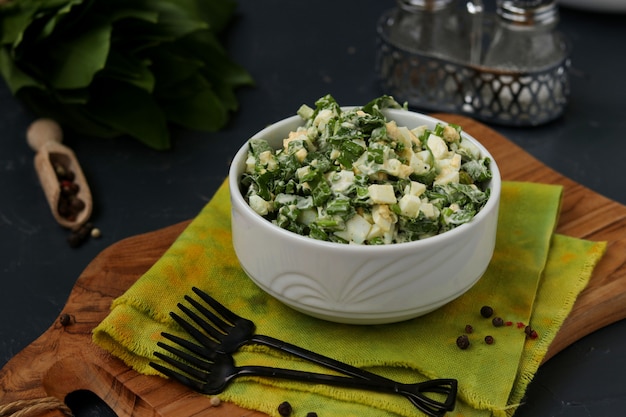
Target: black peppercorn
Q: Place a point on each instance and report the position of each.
(311, 414)
(486, 311)
(489, 340)
(69, 188)
(463, 342)
(468, 328)
(69, 204)
(79, 235)
(64, 208)
(498, 322)
(74, 240)
(65, 319)
(76, 204)
(284, 409)
(530, 332)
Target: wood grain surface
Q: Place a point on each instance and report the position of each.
(64, 359)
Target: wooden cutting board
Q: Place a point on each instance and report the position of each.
(64, 359)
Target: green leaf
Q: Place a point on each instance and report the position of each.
(15, 78)
(70, 114)
(216, 13)
(16, 17)
(142, 34)
(123, 13)
(171, 68)
(131, 111)
(223, 74)
(129, 69)
(58, 17)
(202, 110)
(74, 63)
(73, 96)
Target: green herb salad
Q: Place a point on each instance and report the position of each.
(352, 176)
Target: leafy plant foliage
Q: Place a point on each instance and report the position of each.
(109, 68)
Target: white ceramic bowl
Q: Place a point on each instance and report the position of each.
(361, 284)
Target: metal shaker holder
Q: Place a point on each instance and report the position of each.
(504, 97)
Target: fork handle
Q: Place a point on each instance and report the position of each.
(318, 359)
(444, 386)
(413, 392)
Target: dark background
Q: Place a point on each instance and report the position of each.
(296, 54)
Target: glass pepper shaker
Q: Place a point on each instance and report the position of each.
(524, 38)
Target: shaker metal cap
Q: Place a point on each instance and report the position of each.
(528, 12)
(420, 5)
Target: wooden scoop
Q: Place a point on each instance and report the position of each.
(44, 136)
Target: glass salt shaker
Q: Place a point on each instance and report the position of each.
(524, 39)
(430, 27)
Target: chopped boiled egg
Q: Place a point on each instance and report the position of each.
(383, 217)
(437, 146)
(341, 181)
(357, 229)
(259, 205)
(382, 193)
(410, 205)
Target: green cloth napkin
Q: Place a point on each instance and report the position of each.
(534, 278)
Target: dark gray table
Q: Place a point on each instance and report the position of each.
(296, 54)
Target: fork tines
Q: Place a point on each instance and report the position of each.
(222, 310)
(214, 328)
(191, 372)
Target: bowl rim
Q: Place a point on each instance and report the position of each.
(495, 184)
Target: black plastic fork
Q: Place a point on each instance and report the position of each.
(231, 332)
(212, 376)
